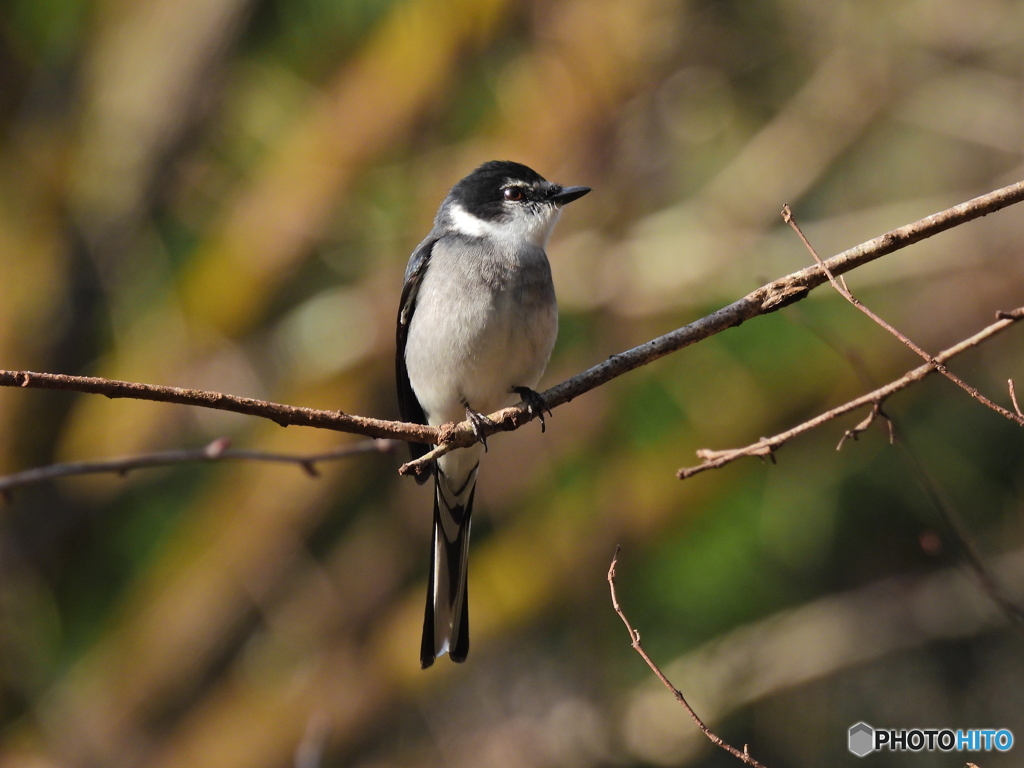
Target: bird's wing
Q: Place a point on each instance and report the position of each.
(408, 405)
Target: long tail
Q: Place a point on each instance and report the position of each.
(446, 623)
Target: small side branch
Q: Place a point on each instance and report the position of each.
(876, 412)
(218, 450)
(634, 636)
(766, 446)
(958, 529)
(844, 291)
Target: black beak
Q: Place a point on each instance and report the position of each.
(568, 194)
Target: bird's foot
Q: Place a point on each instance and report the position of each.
(535, 404)
(478, 421)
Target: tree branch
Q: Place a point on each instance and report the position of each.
(634, 636)
(768, 298)
(961, 534)
(218, 450)
(818, 640)
(844, 291)
(766, 446)
(285, 415)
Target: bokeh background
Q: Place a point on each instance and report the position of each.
(223, 194)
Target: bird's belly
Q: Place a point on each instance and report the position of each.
(477, 353)
(513, 352)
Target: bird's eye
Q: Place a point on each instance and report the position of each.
(514, 193)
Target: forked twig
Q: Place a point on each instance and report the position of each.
(958, 530)
(876, 412)
(634, 636)
(931, 487)
(766, 446)
(841, 288)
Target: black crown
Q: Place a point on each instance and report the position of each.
(481, 192)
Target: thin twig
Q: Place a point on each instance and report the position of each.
(793, 648)
(841, 288)
(768, 298)
(876, 412)
(218, 450)
(766, 446)
(859, 366)
(634, 636)
(959, 531)
(1013, 397)
(954, 522)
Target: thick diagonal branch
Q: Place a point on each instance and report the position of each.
(768, 298)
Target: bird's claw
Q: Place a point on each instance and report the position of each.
(535, 404)
(478, 421)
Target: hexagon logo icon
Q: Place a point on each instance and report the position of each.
(861, 739)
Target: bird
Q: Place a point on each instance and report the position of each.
(476, 325)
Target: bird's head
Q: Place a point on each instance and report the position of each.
(508, 202)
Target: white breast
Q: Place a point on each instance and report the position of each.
(484, 323)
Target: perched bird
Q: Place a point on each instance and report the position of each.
(476, 325)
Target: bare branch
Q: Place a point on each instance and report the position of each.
(876, 412)
(958, 529)
(766, 446)
(1013, 397)
(844, 291)
(634, 636)
(768, 298)
(218, 450)
(953, 520)
(797, 646)
(285, 415)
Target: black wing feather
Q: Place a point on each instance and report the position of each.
(408, 405)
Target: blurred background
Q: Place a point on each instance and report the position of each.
(223, 194)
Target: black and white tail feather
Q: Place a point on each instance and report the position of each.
(446, 620)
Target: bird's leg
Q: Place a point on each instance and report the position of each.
(478, 421)
(535, 404)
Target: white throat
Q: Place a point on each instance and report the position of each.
(524, 227)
